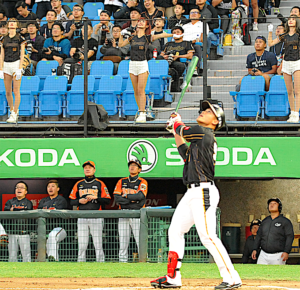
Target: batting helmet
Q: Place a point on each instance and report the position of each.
(255, 223)
(276, 199)
(218, 111)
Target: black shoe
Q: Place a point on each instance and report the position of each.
(3, 240)
(224, 286)
(51, 259)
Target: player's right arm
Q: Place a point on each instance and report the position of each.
(118, 194)
(74, 198)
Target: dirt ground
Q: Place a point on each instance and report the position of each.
(130, 283)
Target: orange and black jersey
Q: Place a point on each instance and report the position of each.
(94, 187)
(200, 156)
(23, 204)
(130, 192)
(58, 202)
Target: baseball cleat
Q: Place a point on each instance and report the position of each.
(165, 282)
(225, 285)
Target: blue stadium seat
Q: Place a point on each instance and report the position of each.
(52, 99)
(70, 4)
(219, 42)
(34, 8)
(160, 80)
(109, 94)
(75, 97)
(3, 102)
(43, 21)
(169, 31)
(276, 100)
(249, 101)
(92, 9)
(129, 106)
(29, 94)
(123, 71)
(99, 53)
(101, 68)
(44, 69)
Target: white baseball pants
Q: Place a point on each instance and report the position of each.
(55, 236)
(85, 227)
(2, 230)
(125, 226)
(198, 206)
(270, 259)
(13, 246)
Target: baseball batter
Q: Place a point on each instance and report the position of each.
(58, 234)
(18, 231)
(90, 193)
(198, 205)
(130, 193)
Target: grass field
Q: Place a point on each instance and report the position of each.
(142, 270)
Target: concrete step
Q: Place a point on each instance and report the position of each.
(226, 64)
(221, 80)
(236, 57)
(288, 3)
(238, 50)
(225, 73)
(254, 34)
(194, 97)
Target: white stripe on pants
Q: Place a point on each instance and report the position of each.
(19, 240)
(125, 225)
(190, 211)
(270, 259)
(55, 236)
(2, 230)
(85, 227)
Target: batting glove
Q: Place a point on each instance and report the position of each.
(18, 74)
(270, 27)
(170, 126)
(1, 74)
(175, 116)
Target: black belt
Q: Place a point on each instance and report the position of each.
(197, 184)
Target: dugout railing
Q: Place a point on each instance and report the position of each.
(37, 226)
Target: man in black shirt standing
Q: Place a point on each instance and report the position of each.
(199, 204)
(52, 202)
(24, 16)
(275, 236)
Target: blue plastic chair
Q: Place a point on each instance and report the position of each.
(34, 8)
(75, 97)
(249, 101)
(123, 71)
(100, 69)
(109, 94)
(92, 9)
(70, 4)
(3, 102)
(44, 69)
(52, 99)
(43, 21)
(160, 80)
(99, 53)
(276, 100)
(29, 95)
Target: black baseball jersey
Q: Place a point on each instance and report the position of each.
(183, 47)
(93, 187)
(139, 47)
(19, 226)
(275, 235)
(200, 156)
(58, 202)
(248, 251)
(291, 46)
(12, 47)
(131, 192)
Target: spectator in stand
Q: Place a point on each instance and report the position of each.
(63, 12)
(194, 33)
(3, 29)
(111, 49)
(224, 8)
(295, 11)
(278, 48)
(275, 236)
(3, 14)
(151, 12)
(130, 194)
(103, 30)
(90, 193)
(24, 16)
(255, 12)
(56, 233)
(112, 5)
(247, 258)
(58, 46)
(135, 16)
(43, 6)
(73, 27)
(159, 44)
(178, 19)
(18, 230)
(209, 12)
(46, 29)
(10, 7)
(35, 42)
(166, 6)
(77, 49)
(125, 12)
(291, 63)
(261, 62)
(187, 4)
(11, 63)
(173, 51)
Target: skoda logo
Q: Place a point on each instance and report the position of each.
(145, 152)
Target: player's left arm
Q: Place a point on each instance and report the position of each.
(141, 192)
(29, 205)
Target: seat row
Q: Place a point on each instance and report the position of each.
(252, 100)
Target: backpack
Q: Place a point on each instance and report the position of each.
(262, 17)
(69, 70)
(246, 34)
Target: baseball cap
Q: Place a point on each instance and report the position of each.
(177, 27)
(136, 161)
(89, 162)
(217, 110)
(262, 38)
(106, 12)
(136, 9)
